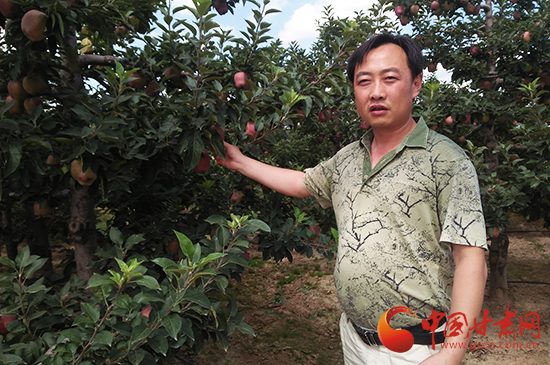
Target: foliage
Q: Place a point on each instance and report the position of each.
(131, 314)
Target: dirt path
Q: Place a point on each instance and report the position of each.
(293, 309)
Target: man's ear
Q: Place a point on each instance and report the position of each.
(417, 85)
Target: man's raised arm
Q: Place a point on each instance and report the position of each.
(284, 181)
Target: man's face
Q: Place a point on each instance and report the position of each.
(384, 88)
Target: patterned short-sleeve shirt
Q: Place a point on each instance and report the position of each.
(396, 223)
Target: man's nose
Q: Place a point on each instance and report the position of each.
(378, 90)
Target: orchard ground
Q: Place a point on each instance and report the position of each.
(293, 309)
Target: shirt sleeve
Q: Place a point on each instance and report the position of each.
(460, 207)
(318, 182)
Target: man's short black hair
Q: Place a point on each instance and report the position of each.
(415, 59)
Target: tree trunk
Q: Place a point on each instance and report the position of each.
(498, 257)
(38, 239)
(7, 236)
(82, 229)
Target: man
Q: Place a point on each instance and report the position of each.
(408, 210)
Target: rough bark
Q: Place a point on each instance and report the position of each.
(82, 230)
(498, 258)
(7, 236)
(38, 239)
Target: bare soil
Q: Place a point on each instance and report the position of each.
(294, 312)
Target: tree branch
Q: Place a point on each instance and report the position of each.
(97, 60)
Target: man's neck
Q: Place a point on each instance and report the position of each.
(386, 140)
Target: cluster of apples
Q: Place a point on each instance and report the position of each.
(450, 6)
(33, 23)
(403, 14)
(26, 93)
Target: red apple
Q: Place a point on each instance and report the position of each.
(323, 117)
(517, 15)
(237, 196)
(241, 80)
(42, 208)
(137, 80)
(462, 139)
(152, 89)
(515, 122)
(17, 107)
(146, 311)
(486, 85)
(526, 36)
(251, 129)
(16, 90)
(219, 130)
(414, 9)
(477, 9)
(320, 139)
(474, 51)
(121, 30)
(434, 5)
(493, 232)
(30, 104)
(9, 9)
(315, 229)
(468, 119)
(404, 20)
(302, 115)
(220, 6)
(4, 320)
(399, 10)
(204, 163)
(83, 178)
(449, 120)
(432, 67)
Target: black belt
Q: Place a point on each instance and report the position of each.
(420, 335)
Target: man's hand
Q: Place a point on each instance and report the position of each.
(284, 181)
(232, 157)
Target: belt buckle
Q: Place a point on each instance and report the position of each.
(369, 336)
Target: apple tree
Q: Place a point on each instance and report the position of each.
(498, 58)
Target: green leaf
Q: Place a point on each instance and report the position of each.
(186, 245)
(187, 328)
(98, 280)
(136, 357)
(23, 257)
(245, 328)
(139, 332)
(258, 224)
(211, 257)
(217, 219)
(104, 338)
(6, 261)
(165, 263)
(159, 344)
(91, 311)
(197, 297)
(12, 359)
(172, 324)
(148, 282)
(116, 236)
(133, 240)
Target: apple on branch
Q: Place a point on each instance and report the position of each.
(251, 129)
(241, 80)
(33, 25)
(325, 115)
(86, 178)
(204, 163)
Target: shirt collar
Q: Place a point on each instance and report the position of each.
(417, 138)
